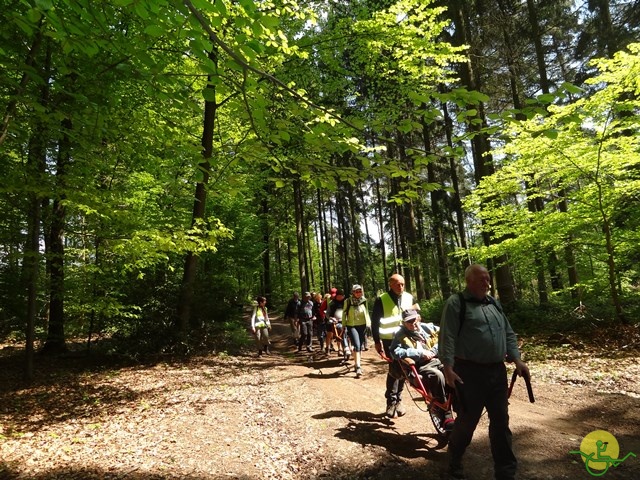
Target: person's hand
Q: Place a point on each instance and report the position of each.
(522, 368)
(450, 376)
(428, 354)
(253, 330)
(379, 348)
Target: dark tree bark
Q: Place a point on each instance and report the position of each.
(437, 220)
(266, 251)
(299, 221)
(55, 342)
(383, 248)
(482, 159)
(183, 319)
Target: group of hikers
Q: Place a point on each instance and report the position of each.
(465, 354)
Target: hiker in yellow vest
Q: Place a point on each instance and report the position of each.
(386, 319)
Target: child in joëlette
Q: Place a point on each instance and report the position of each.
(260, 325)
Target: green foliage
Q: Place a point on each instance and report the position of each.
(585, 153)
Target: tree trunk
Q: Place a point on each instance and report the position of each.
(356, 237)
(184, 319)
(437, 220)
(324, 255)
(383, 248)
(453, 173)
(299, 211)
(266, 251)
(482, 159)
(55, 342)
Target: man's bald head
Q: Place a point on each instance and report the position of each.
(396, 283)
(478, 281)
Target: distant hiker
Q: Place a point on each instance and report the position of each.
(355, 319)
(385, 322)
(318, 322)
(260, 325)
(304, 316)
(334, 320)
(290, 314)
(473, 350)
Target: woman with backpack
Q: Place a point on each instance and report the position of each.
(355, 319)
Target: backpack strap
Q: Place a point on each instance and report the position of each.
(463, 308)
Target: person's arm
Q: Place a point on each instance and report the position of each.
(513, 352)
(376, 315)
(448, 335)
(400, 350)
(253, 319)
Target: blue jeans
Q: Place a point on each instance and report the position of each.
(356, 334)
(306, 330)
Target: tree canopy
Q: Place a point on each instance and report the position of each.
(165, 161)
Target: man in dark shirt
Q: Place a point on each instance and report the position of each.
(473, 350)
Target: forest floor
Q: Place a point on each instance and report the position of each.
(292, 416)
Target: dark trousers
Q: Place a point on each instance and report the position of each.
(433, 379)
(484, 387)
(306, 330)
(393, 392)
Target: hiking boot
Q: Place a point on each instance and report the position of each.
(259, 353)
(358, 372)
(266, 351)
(400, 410)
(391, 410)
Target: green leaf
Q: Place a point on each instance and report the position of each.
(154, 30)
(44, 4)
(571, 88)
(270, 22)
(546, 98)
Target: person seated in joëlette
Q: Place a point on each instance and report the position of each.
(419, 342)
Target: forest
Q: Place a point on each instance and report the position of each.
(164, 161)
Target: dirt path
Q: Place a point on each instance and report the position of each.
(290, 416)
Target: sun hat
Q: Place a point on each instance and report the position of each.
(356, 287)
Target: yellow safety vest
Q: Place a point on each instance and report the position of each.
(392, 314)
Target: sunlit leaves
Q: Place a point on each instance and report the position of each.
(584, 153)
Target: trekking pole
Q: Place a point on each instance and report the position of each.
(527, 381)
